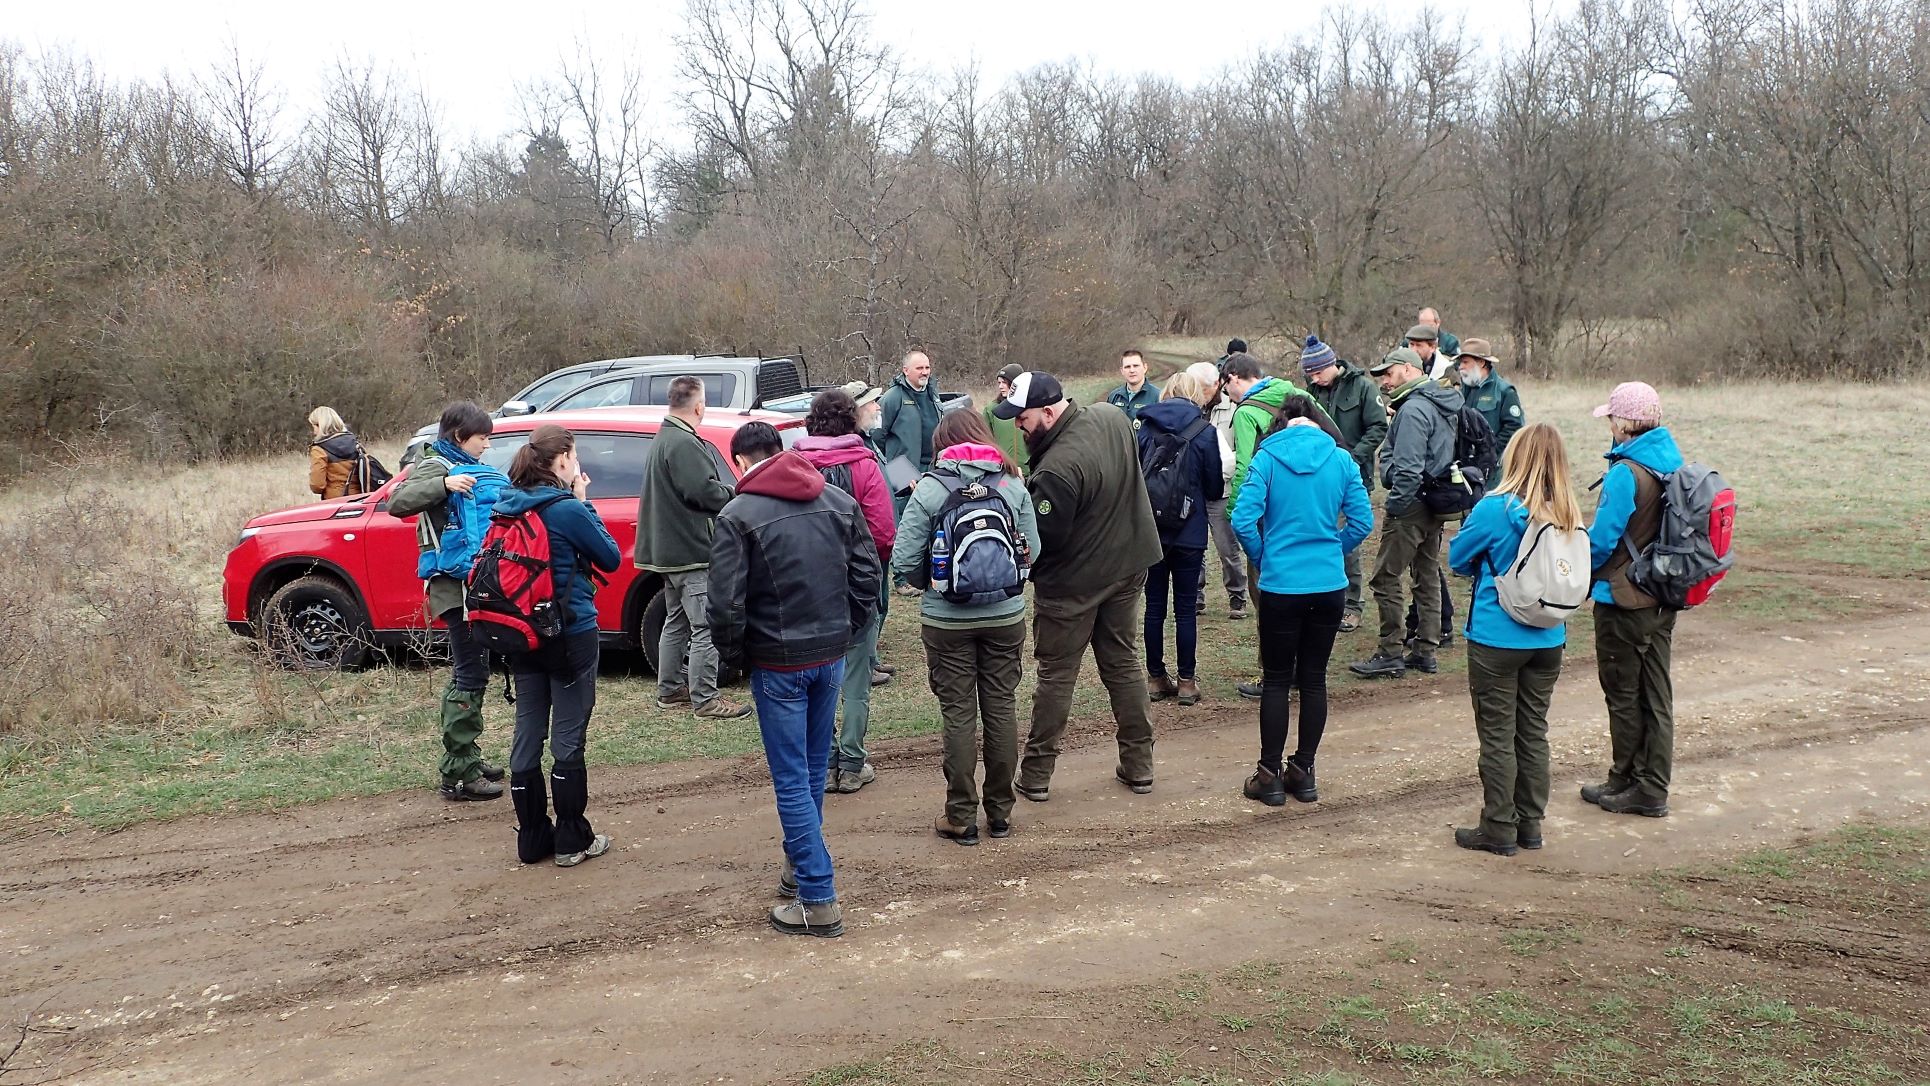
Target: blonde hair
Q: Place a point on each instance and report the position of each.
(326, 422)
(1534, 469)
(1184, 384)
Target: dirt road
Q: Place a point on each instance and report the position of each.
(396, 938)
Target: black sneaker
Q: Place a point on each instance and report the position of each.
(1425, 663)
(964, 835)
(998, 828)
(1236, 607)
(1300, 782)
(1479, 841)
(1139, 788)
(1251, 691)
(1036, 795)
(1636, 800)
(1380, 665)
(1528, 836)
(1593, 793)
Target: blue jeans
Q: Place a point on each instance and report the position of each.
(1180, 567)
(797, 712)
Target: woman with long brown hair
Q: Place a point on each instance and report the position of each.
(556, 685)
(972, 649)
(1512, 666)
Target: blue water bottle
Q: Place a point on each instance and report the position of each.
(941, 561)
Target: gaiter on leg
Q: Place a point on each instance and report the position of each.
(569, 782)
(535, 836)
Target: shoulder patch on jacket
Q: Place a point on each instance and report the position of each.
(1515, 410)
(1045, 507)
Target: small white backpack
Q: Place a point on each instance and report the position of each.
(1549, 578)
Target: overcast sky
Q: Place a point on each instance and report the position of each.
(470, 57)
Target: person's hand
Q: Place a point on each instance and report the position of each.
(459, 484)
(580, 486)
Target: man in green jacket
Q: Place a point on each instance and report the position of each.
(1446, 341)
(682, 494)
(1005, 432)
(908, 416)
(1259, 398)
(1137, 394)
(1488, 392)
(1352, 400)
(1097, 540)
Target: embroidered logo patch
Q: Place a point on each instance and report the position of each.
(1515, 410)
(1045, 507)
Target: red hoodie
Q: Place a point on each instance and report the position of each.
(867, 482)
(787, 475)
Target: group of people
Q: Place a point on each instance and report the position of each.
(1100, 514)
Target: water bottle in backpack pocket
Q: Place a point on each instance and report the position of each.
(976, 556)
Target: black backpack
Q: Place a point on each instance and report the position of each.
(370, 475)
(1167, 464)
(839, 475)
(1477, 463)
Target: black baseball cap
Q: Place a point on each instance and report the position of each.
(1030, 389)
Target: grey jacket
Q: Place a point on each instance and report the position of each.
(1420, 442)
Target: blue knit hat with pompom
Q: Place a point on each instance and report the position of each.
(1316, 356)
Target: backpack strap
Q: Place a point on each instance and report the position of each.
(1194, 428)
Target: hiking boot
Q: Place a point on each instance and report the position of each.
(1636, 800)
(1160, 687)
(1423, 662)
(998, 827)
(909, 592)
(490, 772)
(825, 921)
(597, 847)
(1300, 782)
(889, 669)
(1528, 835)
(678, 695)
(719, 709)
(1350, 622)
(879, 678)
(846, 781)
(1380, 665)
(1251, 691)
(1593, 793)
(1139, 788)
(1236, 607)
(464, 791)
(787, 882)
(1479, 841)
(1036, 795)
(964, 835)
(1189, 691)
(1266, 786)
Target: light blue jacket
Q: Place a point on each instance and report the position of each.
(1655, 450)
(1486, 544)
(913, 548)
(1289, 512)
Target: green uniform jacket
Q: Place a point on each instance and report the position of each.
(1353, 402)
(1499, 403)
(1006, 435)
(681, 497)
(901, 424)
(1447, 343)
(1132, 403)
(1250, 422)
(424, 495)
(1095, 521)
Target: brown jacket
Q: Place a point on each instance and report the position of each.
(331, 465)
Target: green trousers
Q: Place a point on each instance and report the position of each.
(462, 727)
(1107, 619)
(1511, 689)
(975, 675)
(1410, 548)
(1632, 650)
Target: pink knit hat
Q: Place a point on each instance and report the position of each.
(1634, 401)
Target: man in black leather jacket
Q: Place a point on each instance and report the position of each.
(779, 605)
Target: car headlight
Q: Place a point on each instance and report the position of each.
(245, 533)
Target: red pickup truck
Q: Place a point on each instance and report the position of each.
(326, 584)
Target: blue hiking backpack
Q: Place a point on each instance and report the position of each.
(468, 523)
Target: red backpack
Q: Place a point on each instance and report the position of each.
(511, 604)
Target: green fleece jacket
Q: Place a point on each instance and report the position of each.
(1095, 521)
(906, 419)
(1251, 421)
(681, 497)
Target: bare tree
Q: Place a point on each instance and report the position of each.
(374, 150)
(247, 112)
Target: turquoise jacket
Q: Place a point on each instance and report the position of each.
(1301, 509)
(1655, 450)
(1487, 544)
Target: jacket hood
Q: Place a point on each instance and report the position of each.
(788, 475)
(1447, 400)
(823, 452)
(1270, 391)
(515, 500)
(1655, 450)
(339, 446)
(1348, 369)
(1170, 416)
(1303, 449)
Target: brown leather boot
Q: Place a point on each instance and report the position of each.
(1189, 691)
(1160, 687)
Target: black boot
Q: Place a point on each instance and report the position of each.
(1266, 786)
(572, 787)
(535, 836)
(1300, 780)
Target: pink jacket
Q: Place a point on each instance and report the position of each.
(867, 481)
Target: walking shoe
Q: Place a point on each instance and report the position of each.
(1593, 793)
(1380, 665)
(964, 835)
(1636, 800)
(1160, 687)
(719, 709)
(464, 791)
(1189, 691)
(998, 827)
(1350, 622)
(1236, 607)
(1423, 662)
(1479, 841)
(1266, 786)
(1251, 691)
(1200, 607)
(889, 669)
(787, 882)
(678, 695)
(1300, 782)
(846, 781)
(1036, 795)
(598, 846)
(825, 921)
(1528, 835)
(879, 678)
(490, 772)
(909, 592)
(1447, 639)
(1139, 788)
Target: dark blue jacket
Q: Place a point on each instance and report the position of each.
(576, 533)
(1209, 482)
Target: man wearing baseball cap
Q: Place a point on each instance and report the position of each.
(1097, 539)
(1005, 432)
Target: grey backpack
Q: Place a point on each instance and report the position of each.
(1548, 580)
